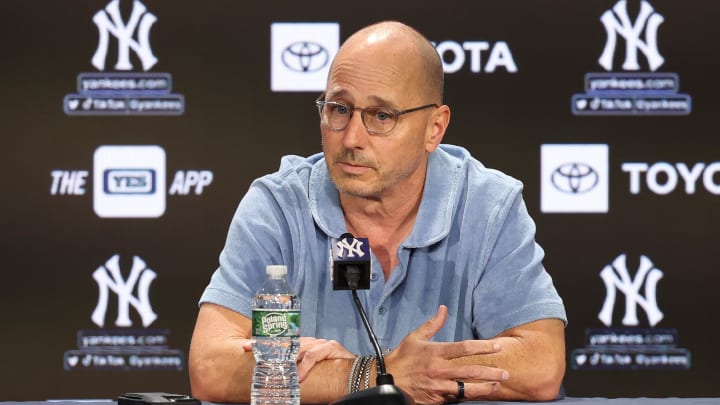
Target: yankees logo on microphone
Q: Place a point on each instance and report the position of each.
(350, 255)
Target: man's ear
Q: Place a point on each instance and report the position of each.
(437, 124)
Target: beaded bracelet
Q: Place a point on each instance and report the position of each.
(360, 374)
(367, 372)
(364, 370)
(353, 374)
(357, 375)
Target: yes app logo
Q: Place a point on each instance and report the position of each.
(129, 181)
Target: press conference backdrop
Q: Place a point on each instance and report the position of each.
(131, 129)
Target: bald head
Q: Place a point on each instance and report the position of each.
(396, 43)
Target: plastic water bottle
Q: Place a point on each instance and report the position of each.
(276, 341)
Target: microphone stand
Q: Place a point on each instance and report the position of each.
(382, 377)
(385, 392)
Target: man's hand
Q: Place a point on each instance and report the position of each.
(427, 372)
(314, 350)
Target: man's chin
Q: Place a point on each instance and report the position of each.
(356, 190)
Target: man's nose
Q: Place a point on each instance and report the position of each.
(355, 134)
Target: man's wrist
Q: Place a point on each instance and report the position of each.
(360, 372)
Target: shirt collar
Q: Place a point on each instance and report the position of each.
(435, 214)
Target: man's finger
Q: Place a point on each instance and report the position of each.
(433, 325)
(304, 367)
(476, 373)
(481, 389)
(453, 350)
(246, 344)
(319, 350)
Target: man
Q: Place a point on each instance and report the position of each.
(458, 288)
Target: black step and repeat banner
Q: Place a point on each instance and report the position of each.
(131, 129)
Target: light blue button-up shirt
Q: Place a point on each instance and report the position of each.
(472, 248)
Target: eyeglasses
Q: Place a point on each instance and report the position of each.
(378, 120)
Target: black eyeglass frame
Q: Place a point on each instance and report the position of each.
(320, 103)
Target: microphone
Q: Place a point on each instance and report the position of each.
(351, 267)
(350, 259)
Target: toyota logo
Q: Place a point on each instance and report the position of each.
(305, 57)
(574, 178)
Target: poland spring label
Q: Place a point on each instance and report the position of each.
(273, 322)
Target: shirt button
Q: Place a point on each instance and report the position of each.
(381, 310)
(374, 277)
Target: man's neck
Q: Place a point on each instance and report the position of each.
(386, 221)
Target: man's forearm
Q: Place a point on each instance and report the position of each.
(223, 375)
(535, 361)
(227, 378)
(326, 382)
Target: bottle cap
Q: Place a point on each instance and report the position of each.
(276, 270)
